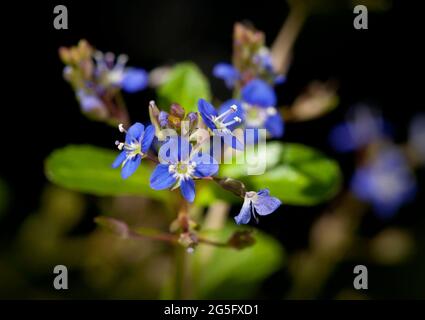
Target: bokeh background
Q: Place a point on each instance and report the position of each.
(42, 225)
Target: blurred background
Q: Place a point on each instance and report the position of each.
(42, 225)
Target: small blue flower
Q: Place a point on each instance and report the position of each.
(134, 149)
(387, 182)
(134, 79)
(222, 124)
(90, 102)
(226, 72)
(115, 73)
(257, 203)
(260, 93)
(363, 127)
(256, 117)
(182, 166)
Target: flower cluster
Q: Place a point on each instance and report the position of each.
(182, 159)
(251, 59)
(252, 77)
(97, 79)
(384, 177)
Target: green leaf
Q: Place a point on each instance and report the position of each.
(88, 169)
(295, 173)
(229, 273)
(304, 176)
(185, 85)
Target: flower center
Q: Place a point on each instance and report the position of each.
(182, 170)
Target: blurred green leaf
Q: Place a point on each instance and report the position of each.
(229, 273)
(184, 85)
(88, 169)
(304, 176)
(295, 173)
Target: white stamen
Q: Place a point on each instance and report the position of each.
(232, 109)
(271, 111)
(120, 145)
(235, 119)
(121, 128)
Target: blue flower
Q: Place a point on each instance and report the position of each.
(363, 127)
(223, 124)
(387, 182)
(182, 165)
(256, 117)
(260, 203)
(260, 93)
(115, 73)
(134, 79)
(263, 60)
(226, 72)
(90, 102)
(134, 149)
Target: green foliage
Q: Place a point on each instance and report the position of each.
(88, 169)
(296, 174)
(185, 85)
(226, 272)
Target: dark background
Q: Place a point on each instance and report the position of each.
(382, 66)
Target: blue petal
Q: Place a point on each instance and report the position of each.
(163, 118)
(260, 93)
(187, 189)
(232, 141)
(134, 80)
(341, 138)
(238, 113)
(89, 102)
(265, 204)
(184, 148)
(206, 166)
(207, 110)
(244, 215)
(148, 138)
(226, 72)
(161, 178)
(118, 160)
(279, 79)
(135, 132)
(130, 166)
(264, 192)
(275, 126)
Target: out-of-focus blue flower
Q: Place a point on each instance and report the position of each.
(226, 72)
(260, 93)
(222, 124)
(134, 79)
(134, 149)
(263, 60)
(387, 182)
(417, 136)
(115, 73)
(181, 168)
(89, 102)
(364, 126)
(260, 203)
